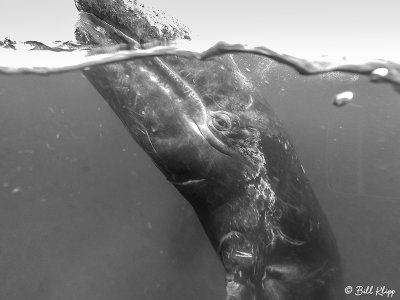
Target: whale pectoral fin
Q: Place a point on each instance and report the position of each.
(237, 255)
(238, 291)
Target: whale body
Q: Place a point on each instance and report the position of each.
(217, 140)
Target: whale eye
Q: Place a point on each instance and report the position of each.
(221, 121)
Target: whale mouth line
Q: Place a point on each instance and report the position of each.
(188, 182)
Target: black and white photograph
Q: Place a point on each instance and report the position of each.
(190, 150)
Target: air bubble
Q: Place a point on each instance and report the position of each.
(343, 98)
(382, 72)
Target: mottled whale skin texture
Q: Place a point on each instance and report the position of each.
(216, 139)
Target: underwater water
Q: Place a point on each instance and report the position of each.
(85, 214)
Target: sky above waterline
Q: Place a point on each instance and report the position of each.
(301, 28)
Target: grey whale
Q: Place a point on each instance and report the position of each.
(216, 139)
